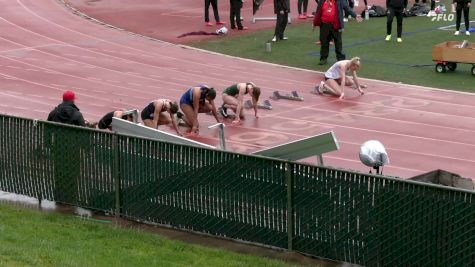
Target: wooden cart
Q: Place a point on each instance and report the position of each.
(448, 54)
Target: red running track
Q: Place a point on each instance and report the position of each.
(44, 49)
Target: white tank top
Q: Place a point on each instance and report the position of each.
(334, 71)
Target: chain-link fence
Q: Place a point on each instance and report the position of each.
(336, 214)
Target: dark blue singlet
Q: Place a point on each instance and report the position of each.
(187, 97)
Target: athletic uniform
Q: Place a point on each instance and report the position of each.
(233, 90)
(106, 121)
(187, 97)
(334, 71)
(149, 111)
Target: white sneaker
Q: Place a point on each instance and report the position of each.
(285, 38)
(274, 39)
(431, 14)
(467, 33)
(456, 33)
(345, 20)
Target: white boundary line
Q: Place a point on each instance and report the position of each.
(451, 26)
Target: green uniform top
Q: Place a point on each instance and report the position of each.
(232, 90)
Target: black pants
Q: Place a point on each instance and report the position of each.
(235, 13)
(466, 11)
(398, 12)
(351, 4)
(328, 33)
(303, 3)
(214, 4)
(281, 24)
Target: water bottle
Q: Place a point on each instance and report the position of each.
(268, 47)
(366, 14)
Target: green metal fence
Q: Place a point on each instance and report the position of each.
(336, 214)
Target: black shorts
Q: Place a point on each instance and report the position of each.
(106, 121)
(147, 112)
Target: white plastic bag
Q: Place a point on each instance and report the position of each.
(373, 154)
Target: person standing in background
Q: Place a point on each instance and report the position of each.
(462, 5)
(303, 5)
(235, 15)
(214, 4)
(329, 17)
(282, 10)
(395, 8)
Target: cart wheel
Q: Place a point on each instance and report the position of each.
(451, 66)
(440, 68)
(473, 70)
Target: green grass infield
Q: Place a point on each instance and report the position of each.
(32, 238)
(409, 62)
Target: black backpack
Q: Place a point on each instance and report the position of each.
(418, 10)
(376, 11)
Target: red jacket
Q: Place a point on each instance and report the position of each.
(341, 5)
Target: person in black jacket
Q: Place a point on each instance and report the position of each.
(395, 8)
(282, 10)
(67, 149)
(235, 14)
(67, 112)
(462, 5)
(214, 4)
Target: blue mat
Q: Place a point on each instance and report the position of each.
(471, 29)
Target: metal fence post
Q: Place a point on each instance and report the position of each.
(116, 173)
(36, 158)
(290, 212)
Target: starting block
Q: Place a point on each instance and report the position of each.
(292, 96)
(264, 105)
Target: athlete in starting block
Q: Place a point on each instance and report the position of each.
(336, 79)
(106, 121)
(233, 98)
(160, 112)
(193, 101)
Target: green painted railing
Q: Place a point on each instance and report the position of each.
(336, 214)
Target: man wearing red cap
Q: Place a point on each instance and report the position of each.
(67, 112)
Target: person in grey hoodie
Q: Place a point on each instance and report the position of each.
(395, 8)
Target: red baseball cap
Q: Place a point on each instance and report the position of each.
(69, 96)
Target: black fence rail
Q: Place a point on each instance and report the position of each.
(331, 213)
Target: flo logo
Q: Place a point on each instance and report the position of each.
(443, 17)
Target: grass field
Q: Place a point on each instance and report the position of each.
(31, 238)
(409, 62)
